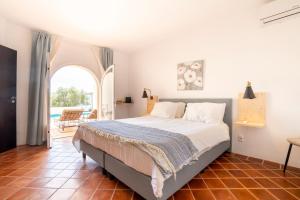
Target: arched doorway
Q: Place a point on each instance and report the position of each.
(74, 98)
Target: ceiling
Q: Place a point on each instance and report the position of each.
(127, 25)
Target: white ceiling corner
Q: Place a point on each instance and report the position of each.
(123, 24)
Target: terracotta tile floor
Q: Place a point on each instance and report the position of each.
(60, 173)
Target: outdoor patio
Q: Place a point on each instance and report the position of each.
(64, 122)
(57, 133)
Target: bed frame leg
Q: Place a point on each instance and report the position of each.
(104, 172)
(203, 170)
(110, 176)
(84, 156)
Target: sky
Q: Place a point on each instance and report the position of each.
(72, 76)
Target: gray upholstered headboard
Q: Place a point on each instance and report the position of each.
(228, 110)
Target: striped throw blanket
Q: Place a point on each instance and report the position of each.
(170, 151)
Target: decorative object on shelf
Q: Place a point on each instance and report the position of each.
(292, 141)
(251, 112)
(119, 101)
(145, 95)
(190, 75)
(128, 100)
(249, 94)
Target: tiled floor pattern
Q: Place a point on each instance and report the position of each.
(60, 173)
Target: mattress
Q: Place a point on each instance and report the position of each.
(203, 136)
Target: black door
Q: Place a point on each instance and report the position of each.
(8, 63)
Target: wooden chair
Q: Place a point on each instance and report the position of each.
(92, 115)
(292, 141)
(70, 116)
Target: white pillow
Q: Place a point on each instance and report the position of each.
(205, 112)
(180, 109)
(164, 109)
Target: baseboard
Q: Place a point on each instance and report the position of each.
(267, 163)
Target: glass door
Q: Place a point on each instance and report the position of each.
(108, 94)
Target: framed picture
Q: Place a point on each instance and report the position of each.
(190, 75)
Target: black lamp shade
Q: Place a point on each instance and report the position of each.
(249, 94)
(145, 95)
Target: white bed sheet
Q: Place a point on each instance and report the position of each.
(204, 136)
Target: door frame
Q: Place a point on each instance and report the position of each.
(48, 85)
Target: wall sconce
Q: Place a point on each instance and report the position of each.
(145, 95)
(251, 108)
(249, 94)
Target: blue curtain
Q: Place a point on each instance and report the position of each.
(107, 57)
(38, 76)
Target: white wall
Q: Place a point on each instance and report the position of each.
(236, 48)
(75, 53)
(19, 38)
(121, 62)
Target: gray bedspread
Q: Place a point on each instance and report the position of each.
(169, 150)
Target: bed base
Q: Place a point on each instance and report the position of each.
(141, 183)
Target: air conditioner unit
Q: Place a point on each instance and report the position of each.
(279, 9)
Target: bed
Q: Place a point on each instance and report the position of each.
(123, 160)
